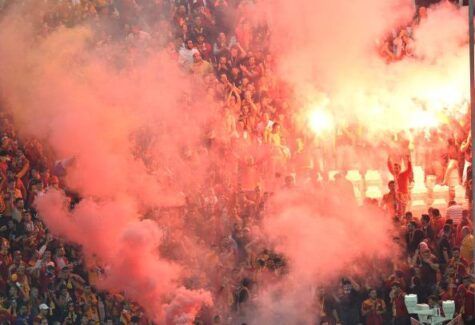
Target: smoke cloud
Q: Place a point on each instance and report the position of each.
(329, 53)
(68, 92)
(322, 233)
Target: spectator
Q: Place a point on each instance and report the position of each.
(428, 264)
(399, 311)
(198, 28)
(349, 302)
(327, 312)
(222, 45)
(43, 315)
(200, 67)
(458, 263)
(466, 247)
(373, 309)
(444, 250)
(204, 47)
(464, 299)
(390, 201)
(464, 222)
(187, 52)
(402, 182)
(455, 212)
(413, 237)
(427, 228)
(437, 220)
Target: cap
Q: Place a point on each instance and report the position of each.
(43, 307)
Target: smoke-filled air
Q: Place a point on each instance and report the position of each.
(234, 161)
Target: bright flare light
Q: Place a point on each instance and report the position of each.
(424, 119)
(321, 121)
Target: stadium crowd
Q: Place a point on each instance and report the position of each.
(44, 280)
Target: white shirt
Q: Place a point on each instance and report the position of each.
(186, 55)
(454, 212)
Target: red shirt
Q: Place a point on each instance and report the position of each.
(6, 316)
(5, 262)
(446, 296)
(464, 301)
(373, 307)
(402, 179)
(3, 167)
(437, 224)
(206, 51)
(399, 306)
(45, 281)
(460, 266)
(469, 312)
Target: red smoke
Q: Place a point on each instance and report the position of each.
(321, 232)
(72, 96)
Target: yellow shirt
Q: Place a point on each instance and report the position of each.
(274, 138)
(466, 248)
(102, 3)
(201, 68)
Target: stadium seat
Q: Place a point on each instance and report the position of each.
(373, 192)
(331, 174)
(355, 178)
(419, 192)
(431, 181)
(460, 195)
(454, 178)
(373, 178)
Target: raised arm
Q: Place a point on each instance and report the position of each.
(24, 169)
(243, 52)
(355, 284)
(409, 165)
(413, 259)
(466, 144)
(383, 308)
(390, 166)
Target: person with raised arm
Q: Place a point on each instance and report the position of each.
(402, 180)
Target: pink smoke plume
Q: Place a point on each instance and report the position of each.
(322, 233)
(112, 235)
(327, 224)
(71, 96)
(186, 305)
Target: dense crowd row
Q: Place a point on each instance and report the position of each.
(44, 279)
